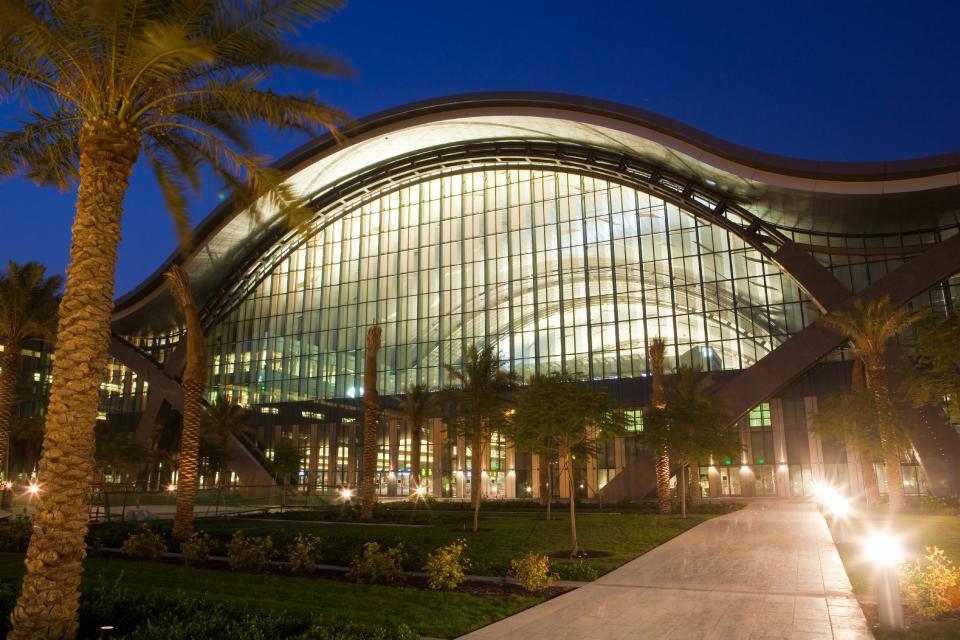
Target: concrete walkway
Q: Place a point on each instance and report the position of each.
(770, 570)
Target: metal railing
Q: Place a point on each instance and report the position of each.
(119, 504)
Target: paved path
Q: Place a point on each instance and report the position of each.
(770, 570)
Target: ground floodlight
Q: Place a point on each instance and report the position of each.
(885, 551)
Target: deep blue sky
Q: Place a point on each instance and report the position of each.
(826, 80)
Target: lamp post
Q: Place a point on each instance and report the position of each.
(885, 551)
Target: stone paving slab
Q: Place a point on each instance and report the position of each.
(768, 571)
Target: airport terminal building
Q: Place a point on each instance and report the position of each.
(569, 232)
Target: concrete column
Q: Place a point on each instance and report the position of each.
(714, 476)
(591, 479)
(461, 469)
(296, 481)
(855, 468)
(393, 444)
(535, 476)
(780, 448)
(619, 454)
(565, 471)
(330, 431)
(813, 438)
(485, 476)
(437, 468)
(748, 481)
(510, 480)
(316, 433)
(351, 430)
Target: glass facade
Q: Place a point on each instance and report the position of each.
(559, 270)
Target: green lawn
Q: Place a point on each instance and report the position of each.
(507, 532)
(506, 536)
(439, 614)
(917, 532)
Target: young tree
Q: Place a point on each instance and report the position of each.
(661, 450)
(557, 414)
(371, 419)
(416, 405)
(193, 382)
(116, 452)
(850, 416)
(935, 378)
(691, 423)
(221, 420)
(870, 326)
(287, 460)
(479, 400)
(179, 84)
(28, 311)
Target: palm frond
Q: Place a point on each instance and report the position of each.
(44, 149)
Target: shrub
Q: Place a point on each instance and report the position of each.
(579, 571)
(304, 554)
(447, 567)
(249, 554)
(15, 534)
(931, 586)
(144, 543)
(533, 572)
(196, 548)
(376, 565)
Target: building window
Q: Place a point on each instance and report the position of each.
(760, 416)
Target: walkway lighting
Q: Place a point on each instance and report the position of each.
(346, 493)
(885, 551)
(33, 489)
(171, 488)
(837, 505)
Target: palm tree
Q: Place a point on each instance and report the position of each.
(479, 399)
(691, 424)
(193, 382)
(870, 326)
(221, 420)
(658, 349)
(28, 311)
(415, 406)
(180, 84)
(371, 417)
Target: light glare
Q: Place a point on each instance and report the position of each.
(884, 549)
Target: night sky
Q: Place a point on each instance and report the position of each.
(830, 81)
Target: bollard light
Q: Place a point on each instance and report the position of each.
(885, 551)
(33, 489)
(171, 488)
(421, 491)
(346, 493)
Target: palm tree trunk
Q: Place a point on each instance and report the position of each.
(48, 602)
(886, 416)
(8, 391)
(415, 437)
(871, 489)
(188, 477)
(476, 478)
(696, 493)
(664, 503)
(371, 407)
(574, 551)
(682, 481)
